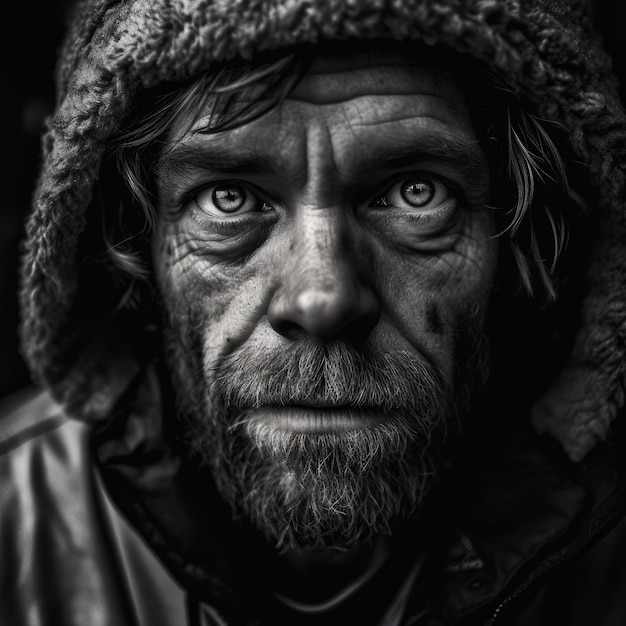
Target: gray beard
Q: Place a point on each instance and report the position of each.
(316, 490)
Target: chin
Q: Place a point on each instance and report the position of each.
(323, 490)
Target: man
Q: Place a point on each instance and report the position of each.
(325, 300)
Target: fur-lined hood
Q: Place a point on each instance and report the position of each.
(543, 50)
(116, 49)
(89, 355)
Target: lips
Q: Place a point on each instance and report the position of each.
(313, 419)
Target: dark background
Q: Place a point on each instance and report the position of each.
(31, 35)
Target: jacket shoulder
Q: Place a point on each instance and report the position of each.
(56, 566)
(27, 415)
(43, 454)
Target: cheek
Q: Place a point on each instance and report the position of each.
(434, 320)
(437, 300)
(220, 299)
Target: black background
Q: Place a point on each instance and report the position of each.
(31, 36)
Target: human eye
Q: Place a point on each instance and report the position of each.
(418, 208)
(419, 193)
(225, 200)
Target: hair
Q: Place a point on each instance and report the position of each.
(531, 192)
(536, 176)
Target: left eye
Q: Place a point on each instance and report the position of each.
(227, 199)
(420, 192)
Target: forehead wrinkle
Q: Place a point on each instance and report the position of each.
(358, 106)
(405, 115)
(418, 119)
(333, 98)
(345, 78)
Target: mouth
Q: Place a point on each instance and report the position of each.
(314, 419)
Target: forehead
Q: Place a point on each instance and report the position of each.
(352, 104)
(378, 69)
(341, 73)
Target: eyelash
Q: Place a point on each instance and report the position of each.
(191, 197)
(453, 189)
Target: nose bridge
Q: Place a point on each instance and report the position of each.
(323, 291)
(323, 231)
(322, 248)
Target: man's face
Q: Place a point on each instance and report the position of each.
(324, 271)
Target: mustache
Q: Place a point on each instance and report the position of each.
(334, 374)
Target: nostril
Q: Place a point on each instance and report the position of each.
(288, 329)
(359, 328)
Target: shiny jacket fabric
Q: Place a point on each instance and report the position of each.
(69, 558)
(92, 487)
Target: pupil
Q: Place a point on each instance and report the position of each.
(418, 193)
(228, 199)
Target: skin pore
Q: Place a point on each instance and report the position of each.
(350, 220)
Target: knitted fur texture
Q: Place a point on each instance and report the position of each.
(116, 49)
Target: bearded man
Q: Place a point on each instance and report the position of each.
(324, 301)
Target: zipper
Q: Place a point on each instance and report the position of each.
(536, 575)
(491, 621)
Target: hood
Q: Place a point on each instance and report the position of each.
(544, 50)
(89, 354)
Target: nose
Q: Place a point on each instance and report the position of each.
(323, 295)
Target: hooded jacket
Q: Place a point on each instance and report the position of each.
(550, 485)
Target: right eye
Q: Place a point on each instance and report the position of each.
(419, 193)
(228, 199)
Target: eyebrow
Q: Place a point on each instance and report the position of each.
(186, 157)
(458, 150)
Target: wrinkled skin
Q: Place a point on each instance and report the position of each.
(351, 214)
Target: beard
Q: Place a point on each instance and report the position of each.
(333, 488)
